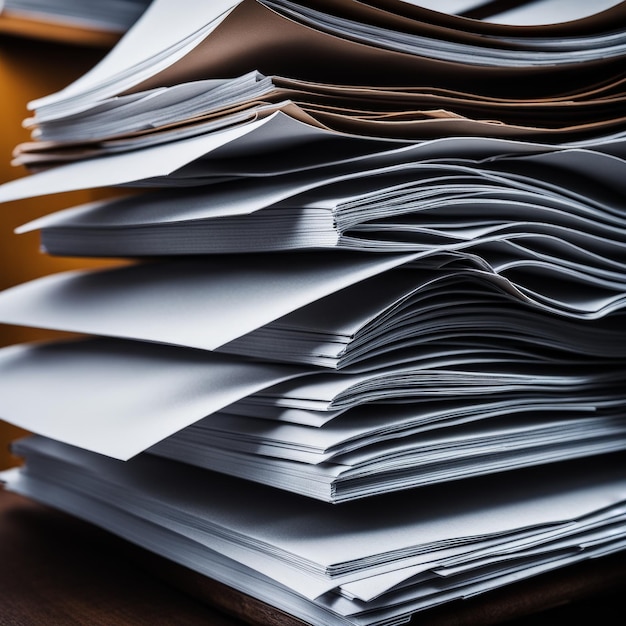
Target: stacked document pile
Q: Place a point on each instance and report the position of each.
(367, 354)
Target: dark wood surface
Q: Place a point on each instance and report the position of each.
(55, 569)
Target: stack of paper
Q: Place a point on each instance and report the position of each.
(357, 563)
(371, 248)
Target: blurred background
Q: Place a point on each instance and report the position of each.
(30, 67)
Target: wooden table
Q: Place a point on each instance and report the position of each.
(57, 570)
(54, 569)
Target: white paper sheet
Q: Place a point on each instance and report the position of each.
(173, 21)
(118, 398)
(198, 303)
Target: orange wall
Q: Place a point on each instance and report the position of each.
(30, 69)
